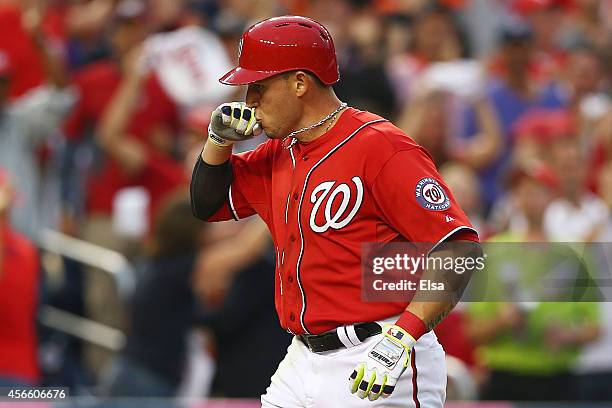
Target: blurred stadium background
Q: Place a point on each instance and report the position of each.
(108, 286)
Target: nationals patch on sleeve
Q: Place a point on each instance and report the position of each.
(431, 196)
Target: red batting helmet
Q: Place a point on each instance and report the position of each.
(282, 44)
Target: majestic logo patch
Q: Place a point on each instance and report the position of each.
(431, 196)
(341, 217)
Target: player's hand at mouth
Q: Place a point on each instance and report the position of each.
(382, 365)
(232, 122)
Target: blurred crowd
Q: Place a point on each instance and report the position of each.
(103, 110)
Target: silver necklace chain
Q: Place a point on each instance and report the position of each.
(319, 123)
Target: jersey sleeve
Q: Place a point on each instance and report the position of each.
(414, 200)
(249, 192)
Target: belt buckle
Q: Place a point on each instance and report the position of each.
(304, 338)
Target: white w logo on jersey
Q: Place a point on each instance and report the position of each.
(335, 221)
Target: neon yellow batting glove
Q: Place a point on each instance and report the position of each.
(383, 365)
(232, 122)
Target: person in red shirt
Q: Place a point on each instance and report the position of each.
(19, 280)
(151, 123)
(546, 19)
(133, 123)
(21, 49)
(330, 179)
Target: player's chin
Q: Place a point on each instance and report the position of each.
(272, 133)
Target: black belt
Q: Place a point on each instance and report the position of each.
(328, 341)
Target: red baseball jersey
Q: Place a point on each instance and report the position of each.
(364, 181)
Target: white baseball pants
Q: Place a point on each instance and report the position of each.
(309, 380)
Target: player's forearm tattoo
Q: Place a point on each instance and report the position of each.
(436, 320)
(443, 302)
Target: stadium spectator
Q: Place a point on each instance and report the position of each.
(436, 37)
(232, 277)
(524, 216)
(150, 119)
(26, 123)
(591, 108)
(594, 367)
(463, 182)
(576, 215)
(536, 131)
(146, 160)
(605, 191)
(162, 309)
(133, 125)
(587, 25)
(526, 342)
(185, 55)
(84, 25)
(583, 79)
(600, 146)
(537, 136)
(512, 92)
(19, 47)
(88, 19)
(141, 108)
(587, 219)
(257, 11)
(546, 17)
(428, 119)
(19, 283)
(365, 83)
(481, 20)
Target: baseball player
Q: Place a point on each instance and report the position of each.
(330, 178)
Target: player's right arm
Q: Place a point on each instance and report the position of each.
(215, 155)
(210, 182)
(214, 174)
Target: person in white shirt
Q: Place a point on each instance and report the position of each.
(576, 215)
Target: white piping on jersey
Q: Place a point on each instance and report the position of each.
(292, 157)
(289, 193)
(448, 235)
(299, 260)
(277, 253)
(231, 203)
(280, 281)
(287, 207)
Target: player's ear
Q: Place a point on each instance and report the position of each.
(301, 83)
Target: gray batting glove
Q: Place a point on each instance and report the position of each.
(232, 122)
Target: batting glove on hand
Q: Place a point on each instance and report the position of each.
(232, 122)
(386, 361)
